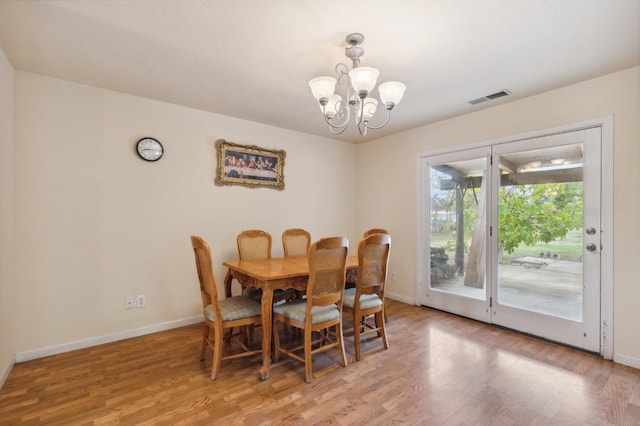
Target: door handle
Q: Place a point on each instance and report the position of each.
(591, 247)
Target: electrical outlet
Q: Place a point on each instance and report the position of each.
(129, 302)
(393, 276)
(141, 301)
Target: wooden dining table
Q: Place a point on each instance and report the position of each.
(270, 275)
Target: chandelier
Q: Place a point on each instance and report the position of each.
(355, 87)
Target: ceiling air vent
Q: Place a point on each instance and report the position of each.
(490, 97)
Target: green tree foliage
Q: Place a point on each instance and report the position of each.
(528, 214)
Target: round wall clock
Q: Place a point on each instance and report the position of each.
(149, 149)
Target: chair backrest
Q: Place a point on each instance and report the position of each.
(373, 259)
(254, 244)
(327, 265)
(296, 242)
(374, 231)
(204, 265)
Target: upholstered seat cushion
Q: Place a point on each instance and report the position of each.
(296, 311)
(233, 308)
(367, 301)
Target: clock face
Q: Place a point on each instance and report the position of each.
(149, 149)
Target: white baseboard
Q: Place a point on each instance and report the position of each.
(626, 360)
(399, 298)
(100, 340)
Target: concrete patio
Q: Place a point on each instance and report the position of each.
(548, 286)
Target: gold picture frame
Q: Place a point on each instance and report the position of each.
(249, 165)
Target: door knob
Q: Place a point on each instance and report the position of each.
(591, 247)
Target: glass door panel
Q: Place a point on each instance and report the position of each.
(456, 232)
(540, 231)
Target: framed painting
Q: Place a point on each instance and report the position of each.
(249, 165)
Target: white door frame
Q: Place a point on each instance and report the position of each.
(606, 196)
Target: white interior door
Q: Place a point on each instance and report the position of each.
(510, 234)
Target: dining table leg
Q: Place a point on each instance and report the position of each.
(267, 323)
(227, 284)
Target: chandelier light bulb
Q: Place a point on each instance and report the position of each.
(363, 80)
(391, 93)
(332, 107)
(369, 108)
(322, 87)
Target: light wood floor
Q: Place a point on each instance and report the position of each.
(439, 370)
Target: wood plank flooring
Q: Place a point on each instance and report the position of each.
(439, 370)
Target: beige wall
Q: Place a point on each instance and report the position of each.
(94, 223)
(7, 332)
(387, 178)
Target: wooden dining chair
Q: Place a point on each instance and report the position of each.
(367, 298)
(221, 315)
(296, 242)
(374, 231)
(253, 244)
(351, 275)
(368, 232)
(322, 308)
(256, 244)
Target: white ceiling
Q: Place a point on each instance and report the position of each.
(253, 59)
